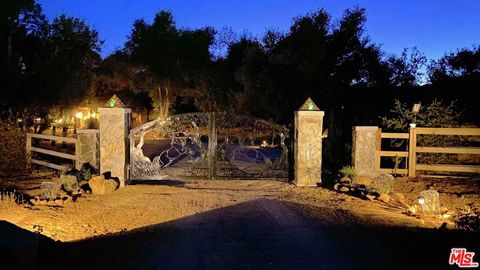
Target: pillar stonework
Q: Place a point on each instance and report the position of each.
(366, 142)
(87, 148)
(114, 144)
(308, 147)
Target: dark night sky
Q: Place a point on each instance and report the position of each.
(434, 26)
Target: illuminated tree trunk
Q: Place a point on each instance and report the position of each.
(163, 106)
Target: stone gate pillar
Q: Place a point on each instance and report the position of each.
(114, 124)
(366, 143)
(308, 144)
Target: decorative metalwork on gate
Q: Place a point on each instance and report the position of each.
(209, 145)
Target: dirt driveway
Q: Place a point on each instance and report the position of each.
(235, 225)
(264, 234)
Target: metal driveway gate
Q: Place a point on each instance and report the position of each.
(208, 145)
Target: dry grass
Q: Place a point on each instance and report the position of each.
(10, 199)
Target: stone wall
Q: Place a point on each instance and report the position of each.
(87, 148)
(366, 142)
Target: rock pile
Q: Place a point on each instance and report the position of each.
(100, 185)
(68, 188)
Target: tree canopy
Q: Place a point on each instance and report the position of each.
(167, 69)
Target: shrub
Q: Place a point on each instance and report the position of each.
(435, 114)
(13, 158)
(85, 173)
(468, 218)
(10, 198)
(348, 171)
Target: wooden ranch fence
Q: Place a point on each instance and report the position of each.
(30, 149)
(395, 154)
(411, 166)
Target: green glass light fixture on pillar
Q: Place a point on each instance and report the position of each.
(114, 102)
(309, 105)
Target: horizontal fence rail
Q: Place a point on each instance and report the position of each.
(447, 131)
(411, 165)
(414, 149)
(30, 149)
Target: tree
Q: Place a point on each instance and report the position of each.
(434, 114)
(462, 63)
(456, 76)
(180, 59)
(70, 56)
(22, 29)
(407, 69)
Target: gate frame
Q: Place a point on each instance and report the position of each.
(212, 142)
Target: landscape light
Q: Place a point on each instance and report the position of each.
(421, 200)
(79, 115)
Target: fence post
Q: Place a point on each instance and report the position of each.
(78, 165)
(28, 145)
(412, 155)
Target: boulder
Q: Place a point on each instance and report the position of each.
(431, 202)
(383, 197)
(344, 189)
(370, 197)
(100, 185)
(59, 202)
(345, 179)
(337, 186)
(110, 186)
(97, 184)
(362, 180)
(382, 183)
(69, 183)
(50, 189)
